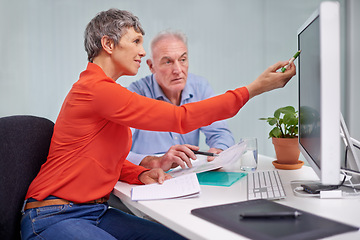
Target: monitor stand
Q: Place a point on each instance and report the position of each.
(350, 175)
(346, 192)
(353, 160)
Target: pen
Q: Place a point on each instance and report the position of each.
(283, 69)
(205, 153)
(293, 214)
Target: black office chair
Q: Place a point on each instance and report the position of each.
(24, 146)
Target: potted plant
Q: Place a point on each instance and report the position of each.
(285, 137)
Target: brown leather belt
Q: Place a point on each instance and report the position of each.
(58, 201)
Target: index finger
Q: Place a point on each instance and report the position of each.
(291, 70)
(188, 150)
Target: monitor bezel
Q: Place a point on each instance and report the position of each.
(329, 20)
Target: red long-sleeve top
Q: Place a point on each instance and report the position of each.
(92, 136)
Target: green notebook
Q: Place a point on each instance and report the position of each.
(213, 178)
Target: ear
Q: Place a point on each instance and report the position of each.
(107, 44)
(150, 64)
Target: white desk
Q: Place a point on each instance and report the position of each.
(176, 215)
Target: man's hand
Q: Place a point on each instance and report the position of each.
(271, 79)
(214, 150)
(177, 155)
(155, 175)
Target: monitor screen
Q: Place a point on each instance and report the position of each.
(309, 91)
(319, 91)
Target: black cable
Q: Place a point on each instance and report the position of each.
(345, 165)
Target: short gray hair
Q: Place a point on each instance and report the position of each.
(167, 33)
(113, 23)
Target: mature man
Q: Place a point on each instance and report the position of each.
(171, 82)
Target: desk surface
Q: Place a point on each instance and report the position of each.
(176, 215)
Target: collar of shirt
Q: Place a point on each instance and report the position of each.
(159, 94)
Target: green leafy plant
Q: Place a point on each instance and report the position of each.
(285, 122)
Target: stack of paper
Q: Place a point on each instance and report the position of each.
(179, 187)
(227, 157)
(184, 183)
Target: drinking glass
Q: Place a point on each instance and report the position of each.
(249, 159)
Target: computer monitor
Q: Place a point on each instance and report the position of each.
(319, 92)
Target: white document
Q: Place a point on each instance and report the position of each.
(227, 157)
(180, 187)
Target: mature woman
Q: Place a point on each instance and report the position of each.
(67, 199)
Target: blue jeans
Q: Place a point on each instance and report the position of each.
(89, 221)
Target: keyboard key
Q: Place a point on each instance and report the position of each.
(265, 185)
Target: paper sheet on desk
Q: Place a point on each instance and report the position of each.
(182, 187)
(227, 157)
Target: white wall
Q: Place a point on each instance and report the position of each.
(230, 43)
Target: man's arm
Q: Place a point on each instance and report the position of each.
(136, 158)
(218, 135)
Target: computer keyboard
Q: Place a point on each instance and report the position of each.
(265, 185)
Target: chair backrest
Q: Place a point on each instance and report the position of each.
(24, 146)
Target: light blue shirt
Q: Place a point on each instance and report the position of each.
(152, 143)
